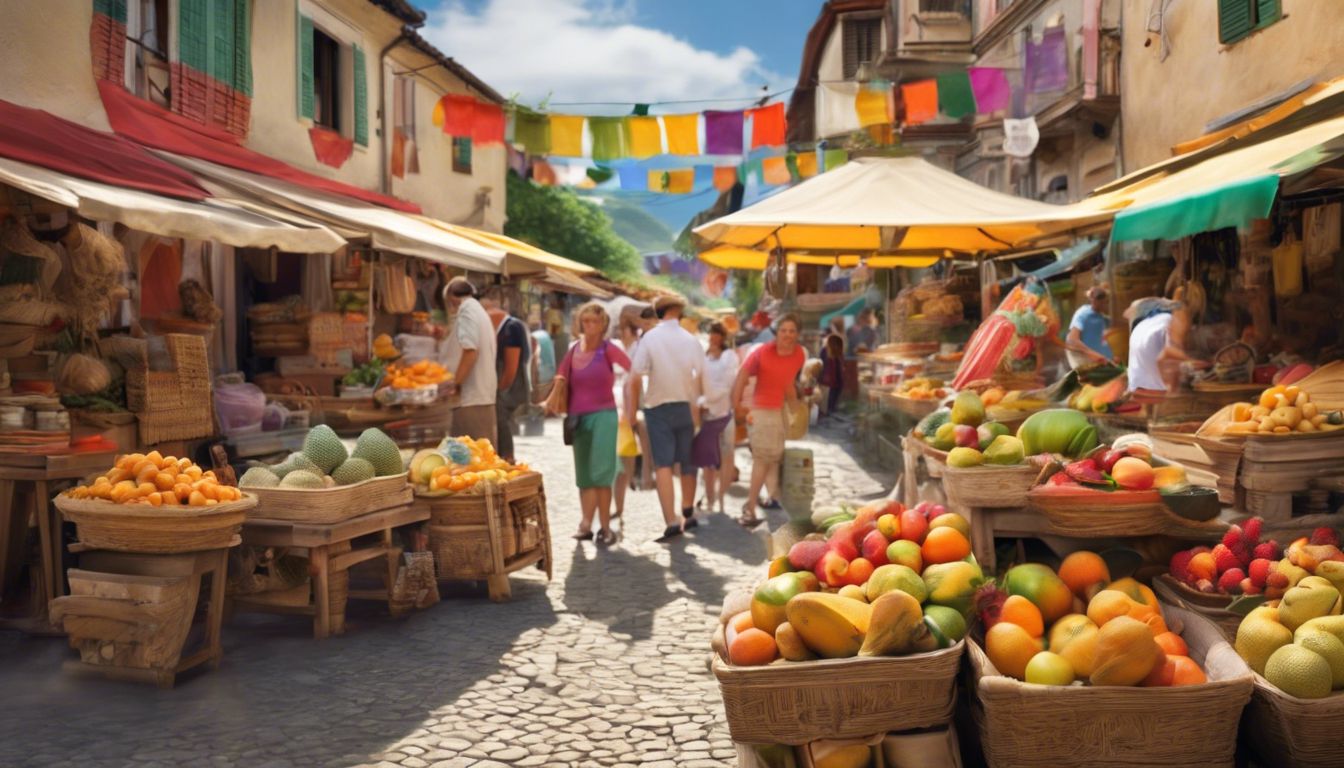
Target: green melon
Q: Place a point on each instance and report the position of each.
(296, 461)
(353, 471)
(259, 477)
(378, 449)
(324, 448)
(302, 478)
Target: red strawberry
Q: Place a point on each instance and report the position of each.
(1180, 566)
(1248, 587)
(1267, 550)
(1259, 571)
(1251, 532)
(1199, 550)
(1225, 560)
(1241, 552)
(1233, 535)
(1325, 536)
(1230, 582)
(1276, 580)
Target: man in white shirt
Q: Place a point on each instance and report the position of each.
(469, 350)
(673, 362)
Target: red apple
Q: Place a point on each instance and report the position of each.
(923, 507)
(965, 436)
(913, 526)
(859, 571)
(842, 543)
(1108, 459)
(805, 555)
(832, 568)
(934, 511)
(875, 548)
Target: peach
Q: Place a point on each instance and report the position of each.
(1133, 474)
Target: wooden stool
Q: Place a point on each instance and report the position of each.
(138, 609)
(331, 550)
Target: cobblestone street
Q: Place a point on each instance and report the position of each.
(607, 665)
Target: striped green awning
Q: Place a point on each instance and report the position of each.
(1234, 204)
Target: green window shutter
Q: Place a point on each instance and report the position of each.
(361, 97)
(305, 66)
(1267, 12)
(1235, 20)
(193, 42)
(221, 40)
(113, 9)
(242, 46)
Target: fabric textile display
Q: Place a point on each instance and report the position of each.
(921, 101)
(543, 173)
(956, 98)
(871, 104)
(725, 177)
(1025, 319)
(775, 171)
(682, 134)
(768, 126)
(723, 132)
(608, 138)
(487, 124)
(1047, 62)
(329, 147)
(398, 153)
(644, 136)
(567, 135)
(532, 131)
(837, 111)
(459, 113)
(807, 164)
(633, 178)
(678, 182)
(316, 282)
(990, 88)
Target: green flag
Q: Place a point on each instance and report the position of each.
(955, 97)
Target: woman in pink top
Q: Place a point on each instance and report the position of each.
(775, 366)
(589, 370)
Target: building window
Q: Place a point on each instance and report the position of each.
(961, 7)
(403, 106)
(147, 68)
(326, 81)
(461, 154)
(1237, 19)
(862, 42)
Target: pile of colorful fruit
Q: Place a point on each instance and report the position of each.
(384, 349)
(882, 581)
(422, 374)
(139, 478)
(969, 439)
(324, 462)
(923, 389)
(1297, 642)
(1282, 410)
(461, 464)
(1054, 628)
(1129, 468)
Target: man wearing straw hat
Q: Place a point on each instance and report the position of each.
(469, 351)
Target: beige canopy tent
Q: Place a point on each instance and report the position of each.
(895, 211)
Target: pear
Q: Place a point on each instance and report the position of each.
(1312, 598)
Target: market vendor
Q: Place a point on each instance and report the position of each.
(469, 351)
(1086, 341)
(1157, 338)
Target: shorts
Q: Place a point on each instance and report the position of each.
(706, 449)
(671, 432)
(768, 432)
(595, 449)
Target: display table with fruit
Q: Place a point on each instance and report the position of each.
(487, 518)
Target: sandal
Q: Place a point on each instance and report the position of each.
(771, 503)
(605, 538)
(583, 536)
(670, 533)
(749, 520)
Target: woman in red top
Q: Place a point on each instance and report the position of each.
(775, 366)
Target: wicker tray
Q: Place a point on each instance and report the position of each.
(156, 530)
(1022, 724)
(799, 702)
(989, 486)
(332, 505)
(1115, 513)
(1211, 607)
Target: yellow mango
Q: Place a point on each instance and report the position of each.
(830, 625)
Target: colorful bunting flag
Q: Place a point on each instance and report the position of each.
(678, 182)
(682, 134)
(633, 178)
(870, 103)
(955, 97)
(921, 102)
(807, 165)
(767, 125)
(834, 158)
(837, 109)
(775, 171)
(725, 177)
(643, 136)
(532, 131)
(608, 137)
(723, 132)
(990, 86)
(459, 113)
(543, 173)
(487, 124)
(567, 135)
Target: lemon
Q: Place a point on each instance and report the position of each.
(1046, 668)
(1299, 672)
(1258, 639)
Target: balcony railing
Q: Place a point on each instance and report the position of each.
(962, 7)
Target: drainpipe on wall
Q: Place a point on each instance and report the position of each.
(385, 175)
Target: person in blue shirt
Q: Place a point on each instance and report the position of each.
(1086, 341)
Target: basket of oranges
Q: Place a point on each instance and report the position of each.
(155, 504)
(422, 383)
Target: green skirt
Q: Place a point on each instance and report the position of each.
(595, 449)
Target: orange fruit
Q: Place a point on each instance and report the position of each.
(1010, 648)
(1172, 644)
(1024, 613)
(1082, 571)
(1163, 672)
(1187, 672)
(741, 622)
(944, 545)
(752, 648)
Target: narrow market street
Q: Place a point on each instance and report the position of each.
(608, 665)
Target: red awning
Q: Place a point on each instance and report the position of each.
(43, 139)
(153, 126)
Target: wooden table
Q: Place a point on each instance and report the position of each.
(38, 471)
(87, 616)
(934, 460)
(319, 539)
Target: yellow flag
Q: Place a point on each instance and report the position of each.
(807, 164)
(645, 136)
(871, 104)
(567, 135)
(682, 134)
(677, 182)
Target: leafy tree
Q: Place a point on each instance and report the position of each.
(557, 220)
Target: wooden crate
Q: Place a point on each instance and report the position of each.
(1274, 467)
(332, 505)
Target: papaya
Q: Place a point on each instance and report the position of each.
(1126, 652)
(896, 627)
(831, 626)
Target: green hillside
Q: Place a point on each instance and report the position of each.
(638, 227)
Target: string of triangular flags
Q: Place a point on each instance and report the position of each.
(763, 171)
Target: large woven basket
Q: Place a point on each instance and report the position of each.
(796, 702)
(1118, 513)
(156, 530)
(1023, 724)
(989, 486)
(459, 525)
(1298, 733)
(332, 505)
(1211, 607)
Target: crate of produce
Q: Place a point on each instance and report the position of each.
(464, 527)
(1024, 724)
(1293, 732)
(992, 487)
(1088, 513)
(332, 505)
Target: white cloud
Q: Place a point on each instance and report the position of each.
(590, 51)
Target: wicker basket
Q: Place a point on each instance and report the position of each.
(989, 486)
(1293, 732)
(326, 336)
(176, 405)
(799, 702)
(459, 528)
(1099, 514)
(332, 505)
(156, 530)
(1022, 724)
(1211, 607)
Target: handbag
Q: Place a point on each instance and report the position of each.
(571, 425)
(626, 445)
